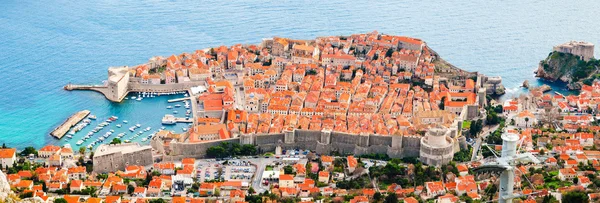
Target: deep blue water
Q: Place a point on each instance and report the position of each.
(44, 45)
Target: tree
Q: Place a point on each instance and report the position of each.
(391, 198)
(377, 196)
(60, 200)
(288, 169)
(116, 141)
(130, 189)
(28, 150)
(82, 150)
(442, 104)
(526, 121)
(251, 190)
(159, 200)
(575, 197)
(389, 52)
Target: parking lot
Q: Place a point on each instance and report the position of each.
(233, 170)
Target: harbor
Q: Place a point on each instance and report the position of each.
(61, 130)
(132, 127)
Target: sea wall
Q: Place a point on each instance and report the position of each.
(322, 142)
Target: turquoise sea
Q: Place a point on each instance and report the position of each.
(46, 44)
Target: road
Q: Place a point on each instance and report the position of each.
(483, 135)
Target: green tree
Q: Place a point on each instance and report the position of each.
(391, 198)
(60, 200)
(130, 189)
(116, 141)
(575, 197)
(81, 150)
(377, 196)
(159, 200)
(28, 150)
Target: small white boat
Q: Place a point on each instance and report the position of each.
(144, 139)
(125, 121)
(147, 129)
(184, 129)
(169, 107)
(162, 128)
(79, 142)
(118, 125)
(127, 141)
(70, 136)
(133, 97)
(140, 132)
(132, 129)
(177, 105)
(101, 139)
(138, 125)
(174, 112)
(139, 99)
(112, 131)
(93, 117)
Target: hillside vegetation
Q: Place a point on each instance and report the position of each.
(568, 68)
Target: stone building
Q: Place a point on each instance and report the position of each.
(437, 147)
(585, 50)
(118, 80)
(110, 158)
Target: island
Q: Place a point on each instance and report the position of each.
(572, 63)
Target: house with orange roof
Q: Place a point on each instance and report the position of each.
(24, 184)
(8, 157)
(71, 198)
(112, 199)
(48, 151)
(155, 187)
(286, 181)
(167, 168)
(525, 119)
(324, 176)
(326, 160)
(207, 188)
(133, 172)
(76, 185)
(78, 172)
(447, 198)
(435, 188)
(352, 163)
(139, 192)
(360, 199)
(237, 196)
(119, 188)
(203, 133)
(566, 174)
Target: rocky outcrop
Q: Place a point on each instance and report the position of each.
(567, 68)
(526, 84)
(545, 88)
(4, 188)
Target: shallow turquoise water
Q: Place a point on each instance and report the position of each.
(44, 45)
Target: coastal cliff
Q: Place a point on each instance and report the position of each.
(568, 68)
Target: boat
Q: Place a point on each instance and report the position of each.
(70, 136)
(185, 95)
(140, 132)
(112, 131)
(162, 128)
(174, 112)
(125, 121)
(132, 129)
(184, 129)
(169, 107)
(79, 142)
(101, 139)
(127, 141)
(118, 125)
(177, 105)
(187, 106)
(93, 117)
(147, 129)
(133, 97)
(138, 125)
(139, 99)
(144, 139)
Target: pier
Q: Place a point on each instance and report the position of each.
(176, 100)
(171, 119)
(61, 130)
